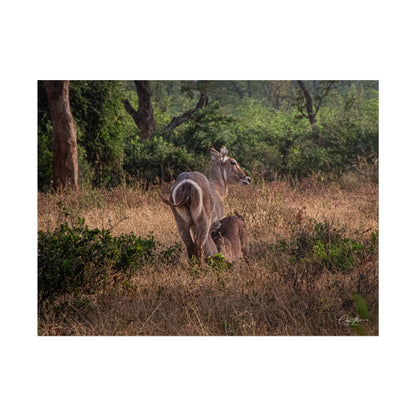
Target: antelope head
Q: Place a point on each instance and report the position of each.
(227, 168)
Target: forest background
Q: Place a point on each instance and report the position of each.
(278, 129)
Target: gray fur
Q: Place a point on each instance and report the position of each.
(230, 237)
(196, 201)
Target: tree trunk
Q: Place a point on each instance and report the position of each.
(309, 103)
(143, 117)
(65, 152)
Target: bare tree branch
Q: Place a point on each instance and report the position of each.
(329, 87)
(319, 96)
(176, 121)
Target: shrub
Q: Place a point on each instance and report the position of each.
(305, 158)
(326, 247)
(157, 160)
(45, 174)
(101, 122)
(207, 127)
(218, 263)
(77, 259)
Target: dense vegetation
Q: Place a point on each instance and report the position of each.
(75, 259)
(110, 259)
(265, 123)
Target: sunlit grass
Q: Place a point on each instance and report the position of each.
(270, 295)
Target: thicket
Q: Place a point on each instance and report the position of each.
(75, 259)
(325, 247)
(265, 132)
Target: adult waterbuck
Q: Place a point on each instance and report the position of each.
(196, 201)
(230, 237)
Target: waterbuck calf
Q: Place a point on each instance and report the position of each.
(196, 201)
(230, 237)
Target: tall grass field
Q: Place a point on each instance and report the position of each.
(111, 262)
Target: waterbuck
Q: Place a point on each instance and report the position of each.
(196, 201)
(230, 237)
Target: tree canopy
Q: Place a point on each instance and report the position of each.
(150, 131)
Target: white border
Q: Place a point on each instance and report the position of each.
(216, 40)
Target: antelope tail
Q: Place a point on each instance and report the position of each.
(166, 201)
(185, 197)
(185, 200)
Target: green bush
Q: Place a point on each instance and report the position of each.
(218, 263)
(305, 158)
(45, 174)
(263, 160)
(327, 247)
(208, 127)
(77, 259)
(157, 160)
(255, 121)
(101, 124)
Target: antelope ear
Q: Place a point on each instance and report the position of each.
(213, 153)
(224, 153)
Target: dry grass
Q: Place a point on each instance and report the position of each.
(267, 296)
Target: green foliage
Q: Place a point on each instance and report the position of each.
(258, 121)
(45, 141)
(218, 263)
(100, 119)
(208, 127)
(363, 314)
(45, 174)
(157, 160)
(171, 254)
(273, 143)
(162, 113)
(327, 247)
(101, 124)
(306, 157)
(85, 170)
(360, 306)
(75, 259)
